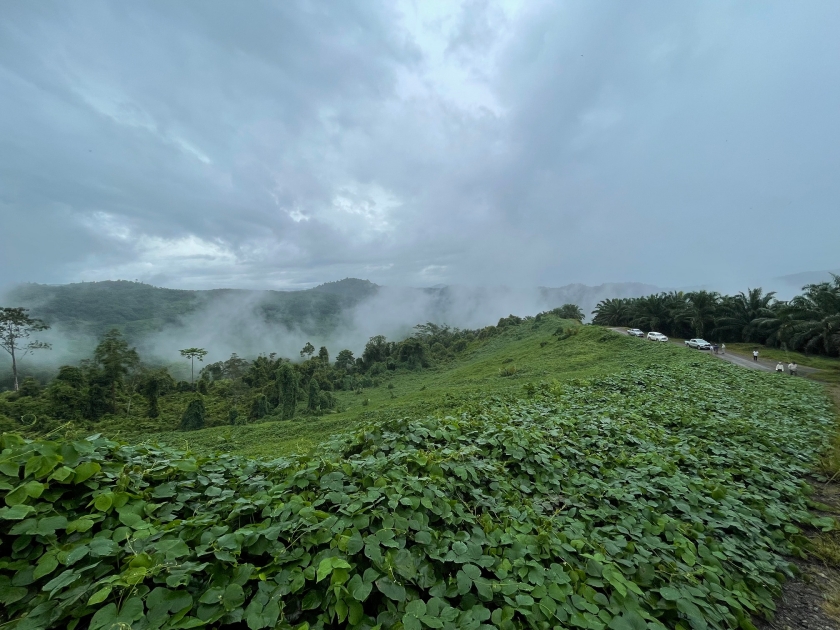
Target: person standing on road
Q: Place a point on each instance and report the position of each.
(792, 368)
(723, 348)
(755, 356)
(780, 367)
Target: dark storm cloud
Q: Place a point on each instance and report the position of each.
(282, 144)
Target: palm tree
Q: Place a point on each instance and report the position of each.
(744, 315)
(811, 321)
(701, 311)
(612, 312)
(651, 312)
(677, 304)
(569, 311)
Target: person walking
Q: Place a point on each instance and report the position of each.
(792, 368)
(755, 356)
(723, 348)
(780, 367)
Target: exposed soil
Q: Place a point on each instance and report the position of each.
(806, 601)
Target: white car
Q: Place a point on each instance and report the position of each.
(700, 344)
(655, 336)
(635, 332)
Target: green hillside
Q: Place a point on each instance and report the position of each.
(536, 474)
(531, 351)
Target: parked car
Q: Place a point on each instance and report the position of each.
(699, 344)
(635, 332)
(655, 336)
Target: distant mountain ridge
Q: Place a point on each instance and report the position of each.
(140, 309)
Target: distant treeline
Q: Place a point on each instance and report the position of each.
(114, 384)
(810, 322)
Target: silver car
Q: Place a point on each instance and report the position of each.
(655, 336)
(699, 344)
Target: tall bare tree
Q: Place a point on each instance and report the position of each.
(16, 326)
(192, 354)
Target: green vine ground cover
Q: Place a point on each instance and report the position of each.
(659, 497)
(533, 348)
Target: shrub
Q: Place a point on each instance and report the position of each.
(193, 417)
(508, 370)
(29, 388)
(376, 369)
(259, 407)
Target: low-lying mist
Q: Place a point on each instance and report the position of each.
(236, 322)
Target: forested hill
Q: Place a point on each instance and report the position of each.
(137, 308)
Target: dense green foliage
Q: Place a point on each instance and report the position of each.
(194, 414)
(659, 498)
(810, 322)
(107, 389)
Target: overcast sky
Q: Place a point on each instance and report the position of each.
(199, 144)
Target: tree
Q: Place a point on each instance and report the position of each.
(16, 326)
(811, 321)
(151, 386)
(233, 368)
(314, 402)
(194, 414)
(66, 393)
(287, 385)
(652, 312)
(115, 359)
(29, 388)
(612, 312)
(324, 355)
(307, 351)
(414, 352)
(376, 350)
(744, 313)
(345, 360)
(569, 311)
(192, 354)
(700, 311)
(259, 407)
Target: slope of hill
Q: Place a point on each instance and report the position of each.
(551, 475)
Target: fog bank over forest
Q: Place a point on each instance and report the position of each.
(338, 315)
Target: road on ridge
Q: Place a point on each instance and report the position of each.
(762, 365)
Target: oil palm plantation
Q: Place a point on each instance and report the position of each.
(811, 321)
(612, 312)
(652, 313)
(746, 316)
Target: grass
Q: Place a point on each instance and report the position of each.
(533, 348)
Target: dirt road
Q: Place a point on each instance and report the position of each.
(761, 365)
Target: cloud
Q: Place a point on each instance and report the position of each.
(278, 145)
